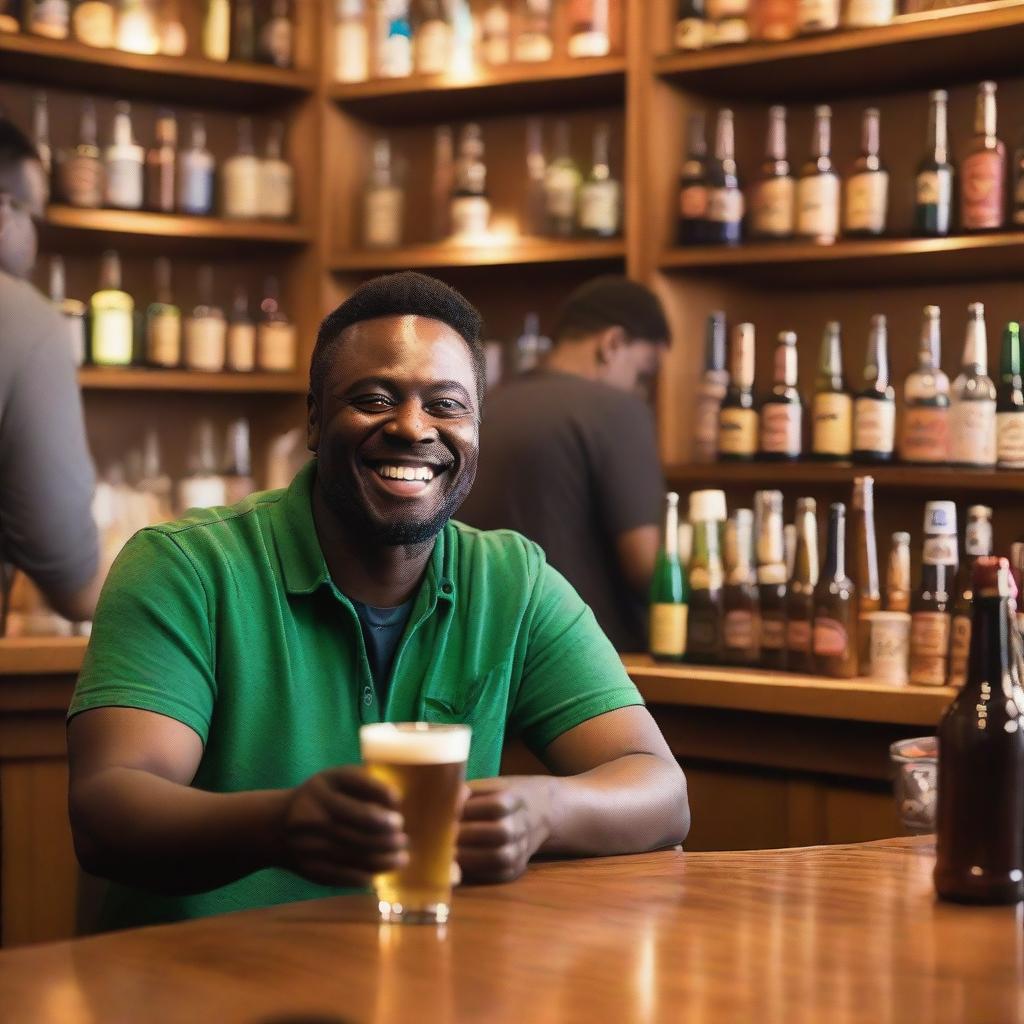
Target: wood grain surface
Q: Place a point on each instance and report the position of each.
(826, 934)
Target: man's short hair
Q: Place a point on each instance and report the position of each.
(14, 145)
(404, 294)
(612, 301)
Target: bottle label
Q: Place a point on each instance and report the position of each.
(982, 195)
(93, 23)
(781, 429)
(773, 633)
(832, 426)
(740, 630)
(1010, 439)
(50, 18)
(275, 347)
(772, 574)
(277, 190)
(798, 635)
(929, 646)
(242, 347)
(830, 638)
(705, 432)
(433, 47)
(865, 13)
(818, 15)
(395, 56)
(689, 34)
(925, 434)
(959, 649)
(737, 432)
(589, 44)
(124, 184)
(867, 201)
(939, 550)
(599, 207)
(972, 429)
(978, 537)
(668, 629)
(725, 205)
(384, 218)
(773, 207)
(874, 425)
(163, 340)
(561, 185)
(82, 181)
(706, 577)
(112, 337)
(351, 52)
(205, 343)
(934, 188)
(241, 187)
(817, 206)
(196, 186)
(702, 633)
(693, 202)
(470, 215)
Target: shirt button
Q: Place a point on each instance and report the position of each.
(367, 696)
(446, 587)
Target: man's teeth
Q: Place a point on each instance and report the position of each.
(406, 472)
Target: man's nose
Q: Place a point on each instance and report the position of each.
(411, 424)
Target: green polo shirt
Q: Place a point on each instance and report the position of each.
(228, 621)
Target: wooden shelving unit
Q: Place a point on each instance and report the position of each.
(99, 378)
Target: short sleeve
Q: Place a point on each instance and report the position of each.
(571, 672)
(152, 642)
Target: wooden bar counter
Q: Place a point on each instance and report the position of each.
(836, 934)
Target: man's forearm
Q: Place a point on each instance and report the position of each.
(140, 829)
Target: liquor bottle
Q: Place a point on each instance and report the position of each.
(205, 329)
(1010, 402)
(561, 186)
(195, 173)
(49, 18)
(817, 16)
(41, 132)
(693, 184)
(93, 21)
(172, 34)
(817, 189)
(277, 179)
(163, 322)
(81, 171)
(983, 169)
(276, 44)
(535, 217)
(867, 188)
(874, 408)
(589, 33)
(865, 561)
(868, 13)
(432, 39)
(443, 182)
(162, 164)
(203, 487)
(111, 315)
(72, 310)
(729, 22)
(496, 33)
(669, 592)
(238, 478)
(977, 544)
(740, 612)
(925, 436)
(243, 31)
(691, 26)
(394, 40)
(773, 198)
(725, 199)
(706, 578)
(241, 178)
(241, 335)
(773, 21)
(782, 411)
(980, 814)
(216, 34)
(533, 43)
(124, 161)
(351, 42)
(933, 186)
(276, 339)
(771, 578)
(10, 16)
(800, 593)
(136, 30)
(738, 419)
(932, 602)
(835, 634)
(383, 202)
(972, 414)
(600, 194)
(470, 209)
(897, 575)
(710, 391)
(831, 407)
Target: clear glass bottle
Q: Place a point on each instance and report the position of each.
(383, 202)
(125, 162)
(277, 179)
(276, 337)
(773, 197)
(163, 321)
(867, 187)
(600, 195)
(925, 436)
(972, 414)
(241, 178)
(205, 329)
(533, 43)
(195, 173)
(817, 189)
(112, 317)
(351, 41)
(82, 175)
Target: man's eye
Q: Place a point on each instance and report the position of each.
(374, 403)
(446, 405)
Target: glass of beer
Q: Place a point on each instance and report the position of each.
(426, 764)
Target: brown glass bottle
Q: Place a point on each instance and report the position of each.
(741, 643)
(983, 169)
(738, 417)
(161, 165)
(835, 606)
(800, 595)
(931, 603)
(782, 410)
(897, 577)
(977, 544)
(980, 815)
(705, 625)
(865, 560)
(771, 578)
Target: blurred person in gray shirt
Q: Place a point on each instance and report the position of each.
(46, 473)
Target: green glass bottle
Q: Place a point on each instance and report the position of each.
(669, 592)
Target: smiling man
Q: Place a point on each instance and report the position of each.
(213, 736)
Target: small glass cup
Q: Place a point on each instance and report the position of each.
(916, 782)
(426, 764)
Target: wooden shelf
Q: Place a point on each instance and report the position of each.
(73, 65)
(996, 256)
(113, 378)
(518, 252)
(781, 693)
(918, 51)
(32, 655)
(518, 88)
(935, 481)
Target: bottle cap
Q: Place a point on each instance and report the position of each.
(901, 537)
(979, 512)
(672, 497)
(805, 505)
(863, 493)
(991, 577)
(940, 518)
(707, 506)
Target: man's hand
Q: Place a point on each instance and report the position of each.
(341, 827)
(504, 823)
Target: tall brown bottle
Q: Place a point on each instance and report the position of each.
(983, 170)
(800, 595)
(977, 544)
(741, 643)
(897, 576)
(931, 603)
(980, 815)
(835, 606)
(865, 561)
(771, 578)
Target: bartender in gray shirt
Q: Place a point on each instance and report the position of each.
(46, 474)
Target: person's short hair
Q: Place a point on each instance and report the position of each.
(612, 301)
(403, 294)
(14, 145)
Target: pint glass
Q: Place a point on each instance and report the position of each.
(426, 764)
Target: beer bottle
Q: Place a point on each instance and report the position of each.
(706, 578)
(865, 561)
(925, 436)
(831, 407)
(977, 543)
(737, 419)
(897, 577)
(835, 606)
(710, 391)
(980, 815)
(771, 578)
(874, 408)
(669, 591)
(741, 641)
(930, 605)
(782, 410)
(800, 595)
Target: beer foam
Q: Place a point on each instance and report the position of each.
(414, 743)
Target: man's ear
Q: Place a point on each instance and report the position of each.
(609, 342)
(312, 423)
